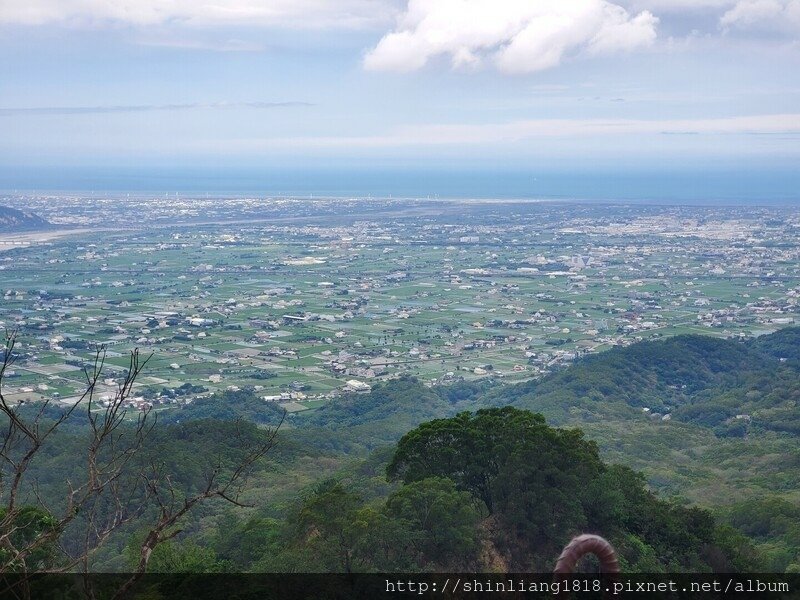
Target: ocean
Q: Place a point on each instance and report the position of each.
(661, 187)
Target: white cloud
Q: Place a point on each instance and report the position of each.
(729, 16)
(213, 45)
(504, 134)
(766, 15)
(518, 36)
(307, 14)
(676, 6)
(140, 108)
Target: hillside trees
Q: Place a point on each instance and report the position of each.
(98, 502)
(542, 485)
(115, 481)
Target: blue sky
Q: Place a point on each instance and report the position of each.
(389, 84)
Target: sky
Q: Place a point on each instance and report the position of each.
(367, 85)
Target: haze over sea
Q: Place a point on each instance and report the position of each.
(680, 187)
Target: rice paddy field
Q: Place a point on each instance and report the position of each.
(298, 297)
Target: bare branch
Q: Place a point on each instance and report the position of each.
(108, 493)
(172, 511)
(110, 450)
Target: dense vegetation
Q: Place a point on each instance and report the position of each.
(227, 406)
(659, 376)
(474, 476)
(495, 490)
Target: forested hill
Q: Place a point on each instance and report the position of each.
(694, 379)
(12, 220)
(709, 423)
(712, 421)
(704, 418)
(640, 402)
(784, 344)
(689, 378)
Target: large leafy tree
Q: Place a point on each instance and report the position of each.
(540, 485)
(482, 452)
(442, 522)
(326, 523)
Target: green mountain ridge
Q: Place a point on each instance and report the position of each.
(655, 377)
(722, 418)
(729, 447)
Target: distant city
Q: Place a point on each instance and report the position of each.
(305, 299)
